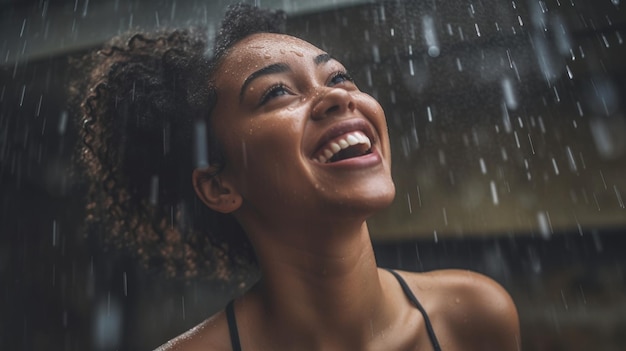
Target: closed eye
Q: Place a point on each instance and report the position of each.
(273, 92)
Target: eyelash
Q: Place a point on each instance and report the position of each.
(342, 74)
(269, 93)
(271, 90)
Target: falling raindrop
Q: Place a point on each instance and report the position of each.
(62, 126)
(23, 27)
(555, 167)
(375, 53)
(182, 303)
(85, 8)
(561, 36)
(605, 41)
(530, 142)
(408, 200)
(557, 97)
(125, 281)
(504, 154)
(506, 119)
(570, 159)
(517, 140)
(618, 194)
(22, 95)
(54, 233)
(39, 106)
(509, 93)
(430, 35)
(545, 227)
(201, 145)
(154, 190)
(570, 75)
(494, 193)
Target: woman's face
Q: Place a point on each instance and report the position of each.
(301, 141)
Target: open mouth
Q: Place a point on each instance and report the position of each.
(349, 145)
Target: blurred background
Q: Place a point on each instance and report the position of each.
(508, 128)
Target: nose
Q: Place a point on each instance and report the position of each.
(331, 102)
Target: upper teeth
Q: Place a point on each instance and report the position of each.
(347, 140)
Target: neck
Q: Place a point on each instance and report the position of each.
(321, 285)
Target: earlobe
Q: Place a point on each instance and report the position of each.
(218, 194)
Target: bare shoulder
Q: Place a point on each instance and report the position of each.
(474, 310)
(210, 335)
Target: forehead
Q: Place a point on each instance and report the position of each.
(260, 44)
(261, 49)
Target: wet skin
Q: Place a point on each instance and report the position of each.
(271, 126)
(282, 103)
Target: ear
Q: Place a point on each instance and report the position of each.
(216, 192)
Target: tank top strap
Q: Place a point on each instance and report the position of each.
(232, 326)
(413, 299)
(234, 333)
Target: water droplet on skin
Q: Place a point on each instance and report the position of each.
(298, 53)
(282, 51)
(267, 56)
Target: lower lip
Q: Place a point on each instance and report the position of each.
(368, 160)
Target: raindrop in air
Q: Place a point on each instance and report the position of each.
(545, 228)
(494, 193)
(483, 166)
(509, 93)
(428, 26)
(154, 190)
(200, 145)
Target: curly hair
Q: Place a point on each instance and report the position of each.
(144, 98)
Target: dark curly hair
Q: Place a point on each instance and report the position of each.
(143, 99)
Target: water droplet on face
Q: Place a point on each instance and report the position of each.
(282, 51)
(267, 56)
(298, 53)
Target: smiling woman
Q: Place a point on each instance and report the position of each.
(297, 159)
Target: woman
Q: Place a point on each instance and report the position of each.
(300, 158)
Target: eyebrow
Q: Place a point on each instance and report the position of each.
(277, 68)
(271, 69)
(322, 58)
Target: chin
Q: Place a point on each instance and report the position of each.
(373, 199)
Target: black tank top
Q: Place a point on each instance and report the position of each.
(234, 334)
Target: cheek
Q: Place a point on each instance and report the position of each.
(264, 152)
